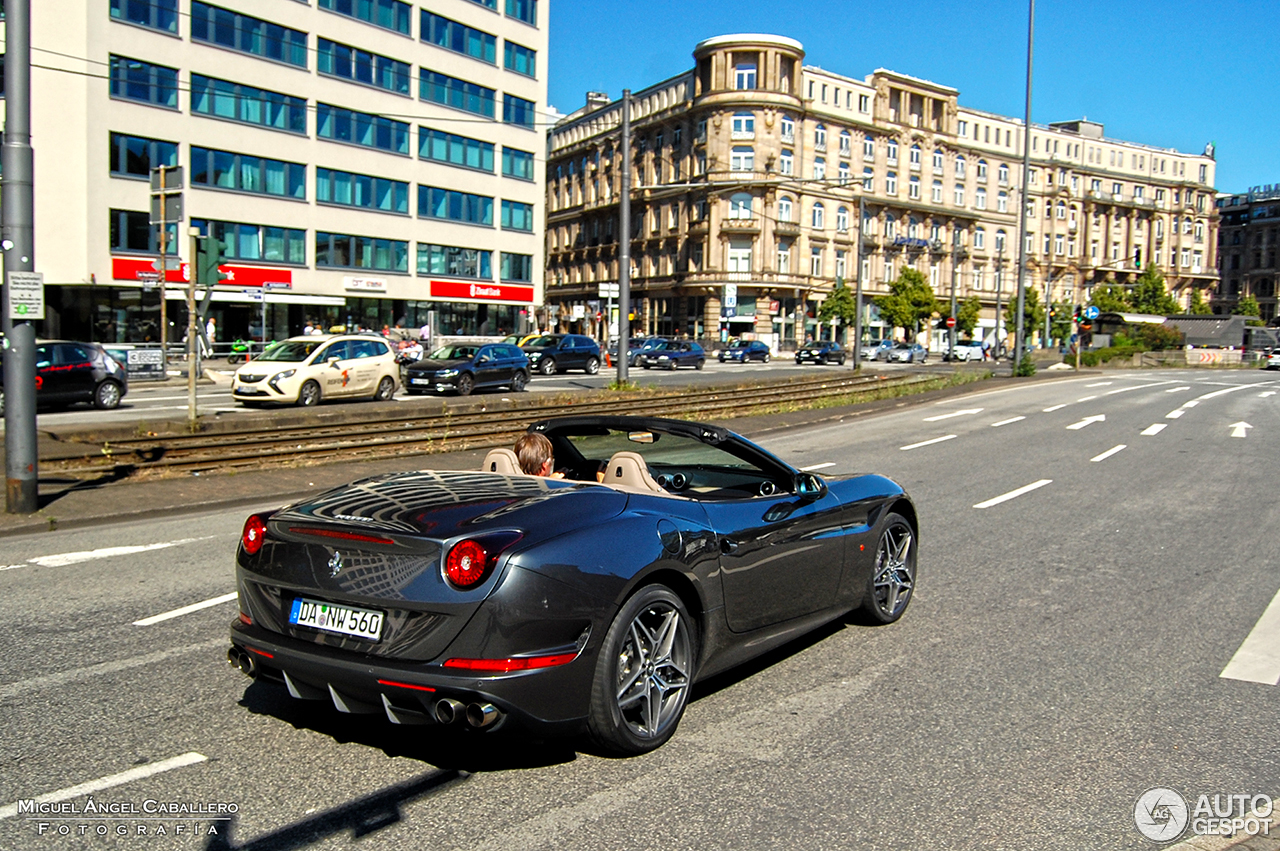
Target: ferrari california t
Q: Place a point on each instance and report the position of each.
(669, 552)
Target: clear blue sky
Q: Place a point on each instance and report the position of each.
(1171, 73)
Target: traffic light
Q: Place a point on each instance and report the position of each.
(208, 257)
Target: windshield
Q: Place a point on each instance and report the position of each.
(543, 342)
(291, 351)
(453, 352)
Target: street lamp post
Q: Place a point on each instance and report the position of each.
(955, 274)
(1026, 175)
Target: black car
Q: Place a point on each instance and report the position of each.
(744, 351)
(674, 353)
(637, 347)
(552, 353)
(463, 367)
(671, 551)
(823, 351)
(68, 372)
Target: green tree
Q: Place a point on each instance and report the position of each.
(967, 315)
(1247, 306)
(910, 301)
(1060, 320)
(1032, 313)
(1110, 298)
(1150, 296)
(839, 305)
(1198, 305)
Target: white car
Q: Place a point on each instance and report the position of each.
(1273, 359)
(305, 370)
(968, 350)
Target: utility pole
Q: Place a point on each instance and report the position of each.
(955, 274)
(624, 242)
(193, 333)
(1026, 177)
(999, 279)
(857, 298)
(17, 239)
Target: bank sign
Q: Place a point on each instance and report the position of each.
(481, 292)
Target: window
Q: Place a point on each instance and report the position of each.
(517, 110)
(820, 137)
(846, 143)
(959, 195)
(936, 195)
(819, 168)
(960, 168)
(913, 228)
(842, 219)
(1117, 191)
(786, 162)
(247, 34)
(517, 216)
(454, 206)
(740, 205)
(785, 209)
(516, 267)
(343, 251)
(133, 231)
(784, 257)
(1199, 231)
(361, 66)
(236, 102)
(864, 103)
(132, 79)
(457, 150)
(1003, 174)
(244, 173)
(137, 155)
(155, 14)
(890, 226)
(1000, 241)
(1062, 210)
(891, 183)
(743, 126)
(962, 128)
(982, 171)
(522, 60)
(361, 128)
(913, 187)
(523, 10)
(744, 76)
(819, 216)
(390, 14)
(515, 163)
(1059, 244)
(742, 159)
(1002, 202)
(788, 129)
(488, 4)
(842, 174)
(256, 242)
(915, 157)
(937, 162)
(979, 238)
(869, 149)
(360, 190)
(868, 179)
(459, 94)
(460, 38)
(841, 264)
(980, 198)
(892, 150)
(455, 261)
(815, 262)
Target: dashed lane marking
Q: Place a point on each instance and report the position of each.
(1086, 398)
(965, 412)
(1173, 415)
(1006, 422)
(1153, 429)
(821, 466)
(186, 610)
(1258, 658)
(1176, 389)
(927, 442)
(1099, 384)
(1014, 494)
(1105, 455)
(1053, 408)
(110, 781)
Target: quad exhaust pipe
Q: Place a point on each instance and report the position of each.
(449, 710)
(238, 658)
(478, 715)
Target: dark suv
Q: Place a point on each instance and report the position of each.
(69, 372)
(463, 367)
(823, 351)
(552, 353)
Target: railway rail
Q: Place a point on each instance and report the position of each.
(408, 433)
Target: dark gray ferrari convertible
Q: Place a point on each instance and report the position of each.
(670, 551)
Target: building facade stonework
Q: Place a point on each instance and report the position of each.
(1247, 241)
(748, 172)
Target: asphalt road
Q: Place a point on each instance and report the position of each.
(1064, 653)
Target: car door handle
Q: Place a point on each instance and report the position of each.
(728, 546)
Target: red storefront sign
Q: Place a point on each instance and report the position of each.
(141, 269)
(484, 292)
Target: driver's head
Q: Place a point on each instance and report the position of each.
(533, 451)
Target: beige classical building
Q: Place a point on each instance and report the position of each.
(749, 169)
(1247, 241)
(370, 161)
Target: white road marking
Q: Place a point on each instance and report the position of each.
(1086, 398)
(186, 610)
(1240, 429)
(1096, 418)
(821, 466)
(1176, 389)
(1013, 494)
(65, 559)
(1053, 408)
(13, 689)
(1173, 415)
(1258, 659)
(110, 781)
(1153, 429)
(1231, 389)
(1099, 384)
(953, 414)
(1138, 387)
(1266, 393)
(1190, 404)
(927, 442)
(1006, 422)
(1105, 455)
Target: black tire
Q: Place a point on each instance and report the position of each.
(700, 364)
(309, 395)
(593, 365)
(465, 385)
(766, 357)
(547, 366)
(386, 389)
(892, 577)
(107, 396)
(644, 365)
(518, 381)
(671, 366)
(623, 718)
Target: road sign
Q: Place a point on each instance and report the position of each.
(171, 264)
(26, 295)
(1091, 312)
(172, 212)
(951, 322)
(172, 178)
(608, 290)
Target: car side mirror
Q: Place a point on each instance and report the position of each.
(810, 487)
(482, 359)
(333, 361)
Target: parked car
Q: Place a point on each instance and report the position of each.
(904, 353)
(743, 351)
(519, 339)
(674, 353)
(307, 370)
(966, 350)
(500, 601)
(1272, 360)
(876, 351)
(552, 353)
(821, 352)
(68, 372)
(463, 367)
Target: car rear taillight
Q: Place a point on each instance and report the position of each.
(255, 532)
(469, 561)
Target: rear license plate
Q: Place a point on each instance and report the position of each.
(344, 620)
(419, 380)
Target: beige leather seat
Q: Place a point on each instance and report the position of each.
(502, 461)
(628, 470)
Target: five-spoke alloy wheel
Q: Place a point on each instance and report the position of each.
(893, 574)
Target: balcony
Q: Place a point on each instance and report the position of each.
(742, 135)
(740, 225)
(782, 228)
